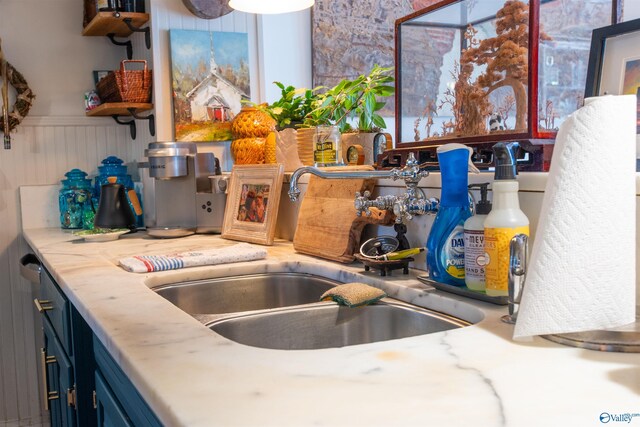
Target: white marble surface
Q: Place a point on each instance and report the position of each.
(190, 376)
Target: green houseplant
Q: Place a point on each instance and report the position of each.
(293, 106)
(358, 99)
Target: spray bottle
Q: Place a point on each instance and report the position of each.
(504, 221)
(445, 245)
(474, 258)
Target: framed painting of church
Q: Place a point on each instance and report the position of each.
(210, 78)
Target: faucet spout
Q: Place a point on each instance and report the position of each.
(294, 191)
(403, 206)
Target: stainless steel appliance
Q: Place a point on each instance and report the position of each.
(187, 192)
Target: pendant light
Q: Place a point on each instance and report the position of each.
(270, 6)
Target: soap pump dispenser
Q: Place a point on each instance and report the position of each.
(474, 257)
(445, 245)
(504, 221)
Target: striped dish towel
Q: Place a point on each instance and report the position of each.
(228, 254)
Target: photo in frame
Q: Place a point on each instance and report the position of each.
(252, 203)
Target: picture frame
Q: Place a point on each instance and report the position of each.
(613, 50)
(99, 75)
(252, 203)
(210, 79)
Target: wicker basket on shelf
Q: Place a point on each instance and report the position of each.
(126, 85)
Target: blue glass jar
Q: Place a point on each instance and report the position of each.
(76, 200)
(114, 166)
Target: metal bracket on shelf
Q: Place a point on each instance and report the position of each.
(128, 44)
(131, 123)
(146, 31)
(150, 117)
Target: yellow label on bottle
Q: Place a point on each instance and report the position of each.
(325, 152)
(496, 246)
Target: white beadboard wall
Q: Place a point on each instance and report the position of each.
(172, 14)
(42, 39)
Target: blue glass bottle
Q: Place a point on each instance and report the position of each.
(445, 245)
(76, 200)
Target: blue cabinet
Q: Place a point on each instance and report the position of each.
(83, 385)
(109, 411)
(126, 398)
(59, 390)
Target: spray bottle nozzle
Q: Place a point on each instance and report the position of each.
(483, 207)
(505, 159)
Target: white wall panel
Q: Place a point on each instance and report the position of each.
(39, 155)
(172, 14)
(57, 62)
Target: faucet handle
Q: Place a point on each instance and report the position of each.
(362, 203)
(517, 275)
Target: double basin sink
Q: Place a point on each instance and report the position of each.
(282, 311)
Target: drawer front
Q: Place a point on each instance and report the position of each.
(55, 307)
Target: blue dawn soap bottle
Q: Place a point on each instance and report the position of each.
(445, 245)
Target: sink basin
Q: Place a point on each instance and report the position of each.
(245, 293)
(282, 311)
(327, 325)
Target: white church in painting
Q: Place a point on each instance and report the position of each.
(215, 98)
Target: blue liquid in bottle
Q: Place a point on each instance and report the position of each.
(445, 245)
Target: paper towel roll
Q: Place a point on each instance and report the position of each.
(581, 275)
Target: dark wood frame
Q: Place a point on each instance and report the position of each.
(534, 8)
(531, 141)
(596, 55)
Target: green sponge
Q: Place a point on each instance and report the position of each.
(353, 294)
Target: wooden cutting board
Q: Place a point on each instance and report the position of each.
(327, 223)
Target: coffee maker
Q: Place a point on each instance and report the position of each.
(188, 192)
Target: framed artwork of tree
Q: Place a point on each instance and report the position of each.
(484, 71)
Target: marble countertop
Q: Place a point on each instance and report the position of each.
(191, 376)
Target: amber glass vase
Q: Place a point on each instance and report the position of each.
(250, 130)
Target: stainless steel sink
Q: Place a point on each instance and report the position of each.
(245, 293)
(282, 311)
(326, 325)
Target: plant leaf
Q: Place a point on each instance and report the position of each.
(378, 121)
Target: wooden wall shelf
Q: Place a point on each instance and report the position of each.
(130, 109)
(105, 23)
(118, 109)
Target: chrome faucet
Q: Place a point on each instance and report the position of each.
(517, 275)
(405, 206)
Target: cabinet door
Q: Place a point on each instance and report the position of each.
(55, 308)
(59, 380)
(110, 414)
